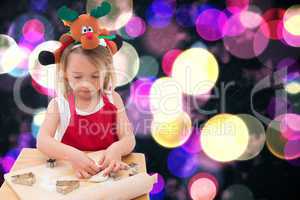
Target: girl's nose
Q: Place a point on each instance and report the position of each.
(89, 35)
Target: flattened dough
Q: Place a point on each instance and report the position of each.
(98, 178)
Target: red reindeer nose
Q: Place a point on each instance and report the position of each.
(89, 35)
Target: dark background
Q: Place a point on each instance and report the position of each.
(268, 177)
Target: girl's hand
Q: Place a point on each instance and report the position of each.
(111, 161)
(84, 166)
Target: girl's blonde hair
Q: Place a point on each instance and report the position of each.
(101, 57)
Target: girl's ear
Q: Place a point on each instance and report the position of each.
(65, 76)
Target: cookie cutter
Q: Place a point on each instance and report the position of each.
(133, 169)
(67, 186)
(24, 179)
(51, 163)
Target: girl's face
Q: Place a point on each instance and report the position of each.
(83, 77)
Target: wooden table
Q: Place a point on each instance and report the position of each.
(31, 157)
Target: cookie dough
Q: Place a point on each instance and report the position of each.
(98, 178)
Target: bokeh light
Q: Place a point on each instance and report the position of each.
(122, 32)
(282, 137)
(19, 59)
(250, 19)
(139, 93)
(8, 47)
(203, 189)
(233, 26)
(169, 59)
(23, 43)
(7, 162)
(292, 83)
(192, 146)
(273, 22)
(203, 186)
(171, 133)
(293, 87)
(250, 35)
(291, 20)
(236, 6)
(138, 107)
(15, 60)
(135, 27)
(186, 14)
(158, 196)
(159, 14)
(9, 159)
(292, 149)
(165, 99)
(33, 30)
(149, 67)
(25, 140)
(181, 164)
(224, 137)
(140, 118)
(126, 63)
(290, 126)
(121, 13)
(209, 24)
(159, 185)
(196, 70)
(38, 119)
(237, 192)
(159, 41)
(257, 137)
(285, 63)
(290, 39)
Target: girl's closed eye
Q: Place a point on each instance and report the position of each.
(77, 77)
(95, 76)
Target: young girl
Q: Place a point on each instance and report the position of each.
(89, 116)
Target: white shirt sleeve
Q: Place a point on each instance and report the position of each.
(65, 115)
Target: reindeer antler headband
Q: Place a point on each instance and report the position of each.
(85, 31)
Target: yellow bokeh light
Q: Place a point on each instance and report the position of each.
(291, 20)
(126, 64)
(292, 88)
(121, 13)
(224, 137)
(165, 99)
(43, 75)
(172, 133)
(196, 70)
